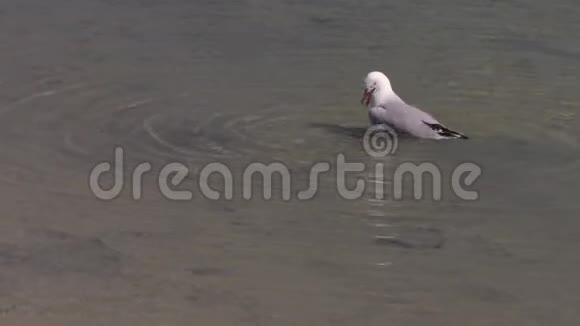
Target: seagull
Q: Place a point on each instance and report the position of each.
(387, 108)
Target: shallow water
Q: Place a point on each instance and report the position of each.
(264, 81)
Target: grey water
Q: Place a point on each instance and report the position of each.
(198, 82)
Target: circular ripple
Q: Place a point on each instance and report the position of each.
(59, 130)
(223, 136)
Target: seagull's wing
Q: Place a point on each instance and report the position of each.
(409, 119)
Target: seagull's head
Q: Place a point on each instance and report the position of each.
(376, 82)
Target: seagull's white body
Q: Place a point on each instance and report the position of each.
(386, 107)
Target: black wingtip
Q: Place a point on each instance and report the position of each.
(453, 134)
(444, 131)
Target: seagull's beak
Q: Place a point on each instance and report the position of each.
(366, 98)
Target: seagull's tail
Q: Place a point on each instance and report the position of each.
(444, 131)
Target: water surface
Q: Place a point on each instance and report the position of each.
(201, 82)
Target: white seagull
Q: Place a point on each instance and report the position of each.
(386, 107)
